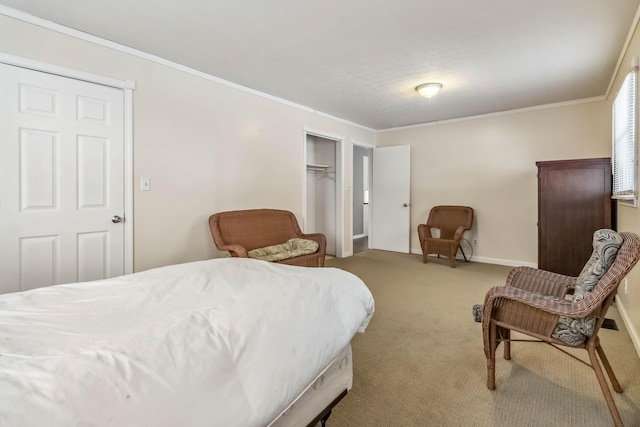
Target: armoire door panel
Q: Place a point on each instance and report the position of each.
(574, 200)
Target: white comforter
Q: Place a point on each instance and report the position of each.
(225, 342)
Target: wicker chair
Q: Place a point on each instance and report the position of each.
(242, 231)
(452, 221)
(533, 302)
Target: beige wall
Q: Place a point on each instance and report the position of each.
(629, 220)
(489, 163)
(207, 147)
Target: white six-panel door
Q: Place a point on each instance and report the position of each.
(61, 180)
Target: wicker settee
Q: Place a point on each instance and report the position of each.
(242, 231)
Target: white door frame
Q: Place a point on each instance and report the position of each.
(127, 86)
(340, 190)
(368, 147)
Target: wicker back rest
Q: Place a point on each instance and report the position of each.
(449, 218)
(628, 256)
(254, 228)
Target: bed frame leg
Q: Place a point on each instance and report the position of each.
(325, 418)
(326, 413)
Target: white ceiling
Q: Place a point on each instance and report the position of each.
(360, 60)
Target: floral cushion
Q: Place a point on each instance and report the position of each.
(574, 331)
(606, 244)
(290, 249)
(476, 310)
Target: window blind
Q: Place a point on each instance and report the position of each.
(624, 140)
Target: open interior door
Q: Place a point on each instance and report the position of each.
(391, 219)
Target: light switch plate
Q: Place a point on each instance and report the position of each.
(145, 184)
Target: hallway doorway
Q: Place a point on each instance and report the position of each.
(361, 207)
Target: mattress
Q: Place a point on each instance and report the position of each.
(213, 343)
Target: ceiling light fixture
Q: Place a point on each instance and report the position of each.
(429, 90)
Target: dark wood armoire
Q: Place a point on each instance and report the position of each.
(574, 200)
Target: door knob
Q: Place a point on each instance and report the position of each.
(406, 205)
(116, 219)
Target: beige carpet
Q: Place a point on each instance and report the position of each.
(421, 361)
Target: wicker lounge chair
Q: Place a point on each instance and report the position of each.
(245, 230)
(540, 304)
(452, 221)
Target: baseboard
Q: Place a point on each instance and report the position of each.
(507, 262)
(633, 332)
(484, 260)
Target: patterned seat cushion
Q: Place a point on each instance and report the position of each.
(476, 311)
(290, 249)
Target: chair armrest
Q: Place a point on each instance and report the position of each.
(424, 231)
(499, 297)
(317, 237)
(527, 312)
(540, 281)
(235, 250)
(458, 235)
(535, 300)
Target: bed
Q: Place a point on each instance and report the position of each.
(223, 342)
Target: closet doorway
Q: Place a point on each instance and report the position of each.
(323, 181)
(362, 159)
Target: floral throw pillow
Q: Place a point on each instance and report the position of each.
(606, 244)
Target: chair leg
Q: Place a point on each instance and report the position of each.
(491, 373)
(595, 364)
(607, 366)
(491, 359)
(506, 336)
